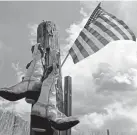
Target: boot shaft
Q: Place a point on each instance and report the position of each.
(35, 69)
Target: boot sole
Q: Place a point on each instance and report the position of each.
(64, 125)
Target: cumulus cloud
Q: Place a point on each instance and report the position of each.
(108, 80)
(83, 12)
(98, 92)
(33, 33)
(75, 29)
(20, 106)
(19, 71)
(117, 120)
(104, 84)
(23, 109)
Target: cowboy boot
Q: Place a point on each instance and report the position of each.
(60, 121)
(64, 123)
(31, 81)
(34, 72)
(19, 90)
(45, 107)
(41, 124)
(40, 72)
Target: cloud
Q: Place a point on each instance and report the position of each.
(104, 84)
(118, 119)
(19, 107)
(82, 12)
(108, 80)
(124, 10)
(23, 109)
(94, 96)
(19, 72)
(33, 33)
(75, 29)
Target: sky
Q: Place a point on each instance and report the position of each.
(104, 84)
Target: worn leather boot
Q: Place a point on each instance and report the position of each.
(64, 123)
(45, 107)
(31, 84)
(19, 90)
(34, 72)
(58, 123)
(59, 120)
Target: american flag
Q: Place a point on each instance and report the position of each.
(100, 29)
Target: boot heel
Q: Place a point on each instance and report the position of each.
(32, 97)
(39, 130)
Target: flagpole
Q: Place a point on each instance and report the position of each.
(65, 59)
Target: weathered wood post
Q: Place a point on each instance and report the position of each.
(107, 131)
(68, 98)
(47, 36)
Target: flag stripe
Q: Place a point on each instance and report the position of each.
(77, 52)
(103, 34)
(120, 26)
(115, 27)
(103, 28)
(85, 45)
(89, 42)
(124, 25)
(109, 27)
(81, 48)
(96, 37)
(73, 55)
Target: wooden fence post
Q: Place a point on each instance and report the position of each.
(50, 41)
(68, 99)
(107, 131)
